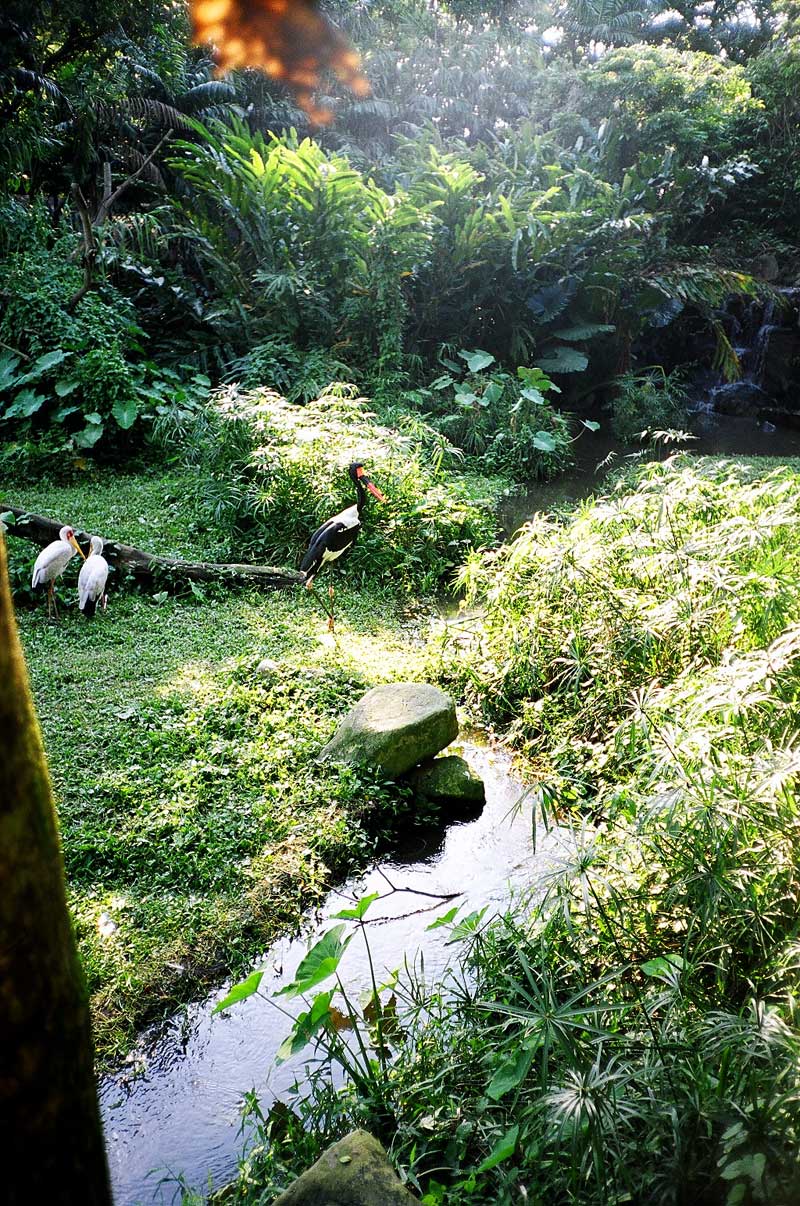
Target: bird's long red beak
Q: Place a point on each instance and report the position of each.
(374, 490)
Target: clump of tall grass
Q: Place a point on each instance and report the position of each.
(269, 472)
(683, 564)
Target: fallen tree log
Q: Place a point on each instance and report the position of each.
(147, 568)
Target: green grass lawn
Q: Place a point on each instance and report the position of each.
(195, 821)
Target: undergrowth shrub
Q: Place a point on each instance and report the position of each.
(682, 562)
(73, 377)
(648, 401)
(505, 423)
(300, 375)
(271, 472)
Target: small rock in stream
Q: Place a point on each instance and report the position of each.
(448, 778)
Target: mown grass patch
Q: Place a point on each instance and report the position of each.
(195, 820)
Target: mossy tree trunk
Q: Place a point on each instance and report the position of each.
(49, 1117)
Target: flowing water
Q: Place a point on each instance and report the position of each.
(599, 453)
(181, 1112)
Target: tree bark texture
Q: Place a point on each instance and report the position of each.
(150, 569)
(49, 1116)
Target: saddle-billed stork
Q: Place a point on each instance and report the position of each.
(51, 563)
(337, 535)
(92, 579)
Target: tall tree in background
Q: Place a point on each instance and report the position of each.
(48, 1102)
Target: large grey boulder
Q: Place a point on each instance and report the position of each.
(739, 398)
(393, 727)
(448, 779)
(354, 1172)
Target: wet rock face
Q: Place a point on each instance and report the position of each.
(740, 398)
(448, 779)
(393, 727)
(780, 364)
(354, 1172)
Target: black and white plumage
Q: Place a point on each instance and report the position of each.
(51, 563)
(339, 534)
(92, 579)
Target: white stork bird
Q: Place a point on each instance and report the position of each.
(51, 563)
(337, 535)
(92, 579)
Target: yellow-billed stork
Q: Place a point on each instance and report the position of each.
(337, 535)
(51, 563)
(92, 579)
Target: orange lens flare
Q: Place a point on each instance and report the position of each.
(290, 39)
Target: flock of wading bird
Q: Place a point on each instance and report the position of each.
(330, 541)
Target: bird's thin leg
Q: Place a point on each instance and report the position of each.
(105, 602)
(330, 613)
(313, 594)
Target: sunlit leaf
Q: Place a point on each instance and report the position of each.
(477, 360)
(320, 963)
(544, 441)
(240, 992)
(445, 919)
(360, 909)
(309, 1023)
(125, 411)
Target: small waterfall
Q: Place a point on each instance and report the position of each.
(766, 339)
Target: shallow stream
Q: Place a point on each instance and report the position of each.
(182, 1112)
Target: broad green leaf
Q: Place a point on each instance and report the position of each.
(591, 424)
(89, 436)
(583, 330)
(94, 418)
(49, 360)
(125, 411)
(563, 360)
(320, 962)
(8, 366)
(8, 518)
(504, 1148)
(664, 968)
(544, 441)
(240, 992)
(442, 382)
(468, 925)
(477, 360)
(64, 412)
(445, 919)
(510, 1074)
(63, 388)
(26, 403)
(358, 912)
(307, 1024)
(532, 395)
